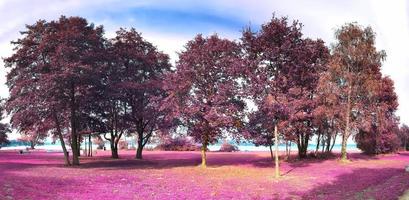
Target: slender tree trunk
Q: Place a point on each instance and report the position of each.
(32, 144)
(328, 143)
(347, 126)
(74, 136)
(204, 149)
(289, 150)
(60, 136)
(86, 150)
(318, 143)
(333, 143)
(271, 151)
(90, 145)
(277, 170)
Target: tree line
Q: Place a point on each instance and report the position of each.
(66, 79)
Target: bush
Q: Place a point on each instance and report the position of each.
(227, 147)
(178, 144)
(386, 142)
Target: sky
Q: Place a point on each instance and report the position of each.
(169, 24)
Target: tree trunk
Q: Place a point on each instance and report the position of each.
(271, 152)
(204, 149)
(74, 136)
(277, 170)
(347, 126)
(140, 146)
(32, 144)
(60, 136)
(114, 150)
(90, 145)
(302, 146)
(289, 150)
(86, 150)
(333, 143)
(318, 143)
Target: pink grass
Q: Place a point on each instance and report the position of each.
(176, 175)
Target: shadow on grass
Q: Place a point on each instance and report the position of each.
(28, 186)
(163, 160)
(362, 183)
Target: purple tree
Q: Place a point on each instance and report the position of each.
(51, 74)
(283, 74)
(137, 70)
(204, 89)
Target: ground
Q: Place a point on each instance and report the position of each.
(176, 175)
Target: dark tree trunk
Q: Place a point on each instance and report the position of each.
(74, 136)
(32, 144)
(271, 151)
(140, 146)
(89, 145)
(318, 143)
(333, 143)
(60, 136)
(114, 150)
(302, 144)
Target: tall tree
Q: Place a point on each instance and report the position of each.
(379, 128)
(203, 91)
(283, 75)
(137, 73)
(51, 73)
(354, 57)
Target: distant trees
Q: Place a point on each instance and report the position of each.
(33, 138)
(4, 128)
(404, 136)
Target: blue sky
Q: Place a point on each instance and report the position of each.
(170, 24)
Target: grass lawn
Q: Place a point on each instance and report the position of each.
(176, 175)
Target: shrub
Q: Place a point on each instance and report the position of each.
(387, 142)
(227, 147)
(177, 144)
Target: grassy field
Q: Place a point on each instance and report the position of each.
(176, 175)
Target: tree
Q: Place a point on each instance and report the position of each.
(283, 74)
(379, 128)
(328, 115)
(51, 73)
(4, 128)
(33, 137)
(404, 136)
(203, 90)
(136, 78)
(354, 56)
